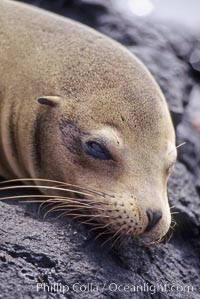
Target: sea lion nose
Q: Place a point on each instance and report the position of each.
(153, 217)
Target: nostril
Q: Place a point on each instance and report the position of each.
(153, 217)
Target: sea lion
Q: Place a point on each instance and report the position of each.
(78, 108)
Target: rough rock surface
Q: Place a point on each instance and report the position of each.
(62, 252)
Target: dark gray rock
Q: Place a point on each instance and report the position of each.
(189, 131)
(185, 199)
(194, 58)
(62, 252)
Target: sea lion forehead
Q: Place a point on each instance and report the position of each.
(122, 111)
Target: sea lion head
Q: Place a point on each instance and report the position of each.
(100, 122)
(112, 132)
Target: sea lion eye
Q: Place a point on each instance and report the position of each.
(97, 150)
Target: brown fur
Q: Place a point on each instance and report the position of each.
(102, 91)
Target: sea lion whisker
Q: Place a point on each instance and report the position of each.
(98, 216)
(165, 240)
(183, 143)
(148, 244)
(47, 203)
(42, 201)
(115, 241)
(25, 196)
(45, 187)
(50, 210)
(30, 201)
(83, 206)
(66, 212)
(53, 196)
(128, 231)
(121, 242)
(59, 183)
(171, 227)
(65, 209)
(174, 213)
(101, 216)
(88, 220)
(172, 207)
(41, 207)
(168, 237)
(92, 223)
(76, 216)
(155, 242)
(52, 199)
(113, 236)
(65, 203)
(173, 221)
(101, 234)
(121, 239)
(100, 193)
(174, 224)
(34, 201)
(76, 207)
(75, 204)
(87, 201)
(102, 226)
(58, 209)
(37, 201)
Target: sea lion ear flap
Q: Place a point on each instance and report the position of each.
(51, 101)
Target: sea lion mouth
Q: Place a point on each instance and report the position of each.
(149, 241)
